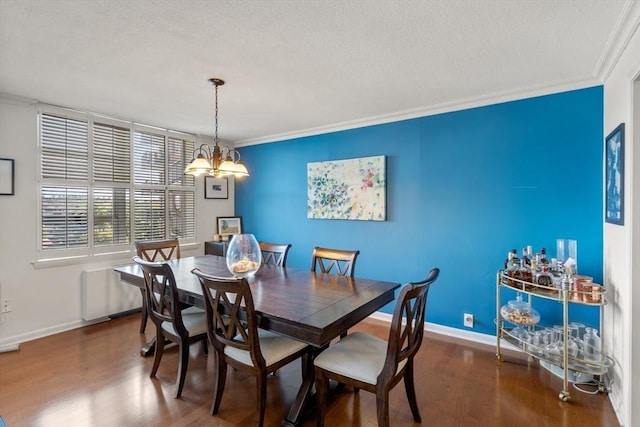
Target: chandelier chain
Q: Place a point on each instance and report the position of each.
(215, 139)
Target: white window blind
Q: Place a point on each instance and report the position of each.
(65, 148)
(111, 153)
(149, 214)
(97, 176)
(65, 217)
(181, 213)
(111, 219)
(180, 152)
(148, 158)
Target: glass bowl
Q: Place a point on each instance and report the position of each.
(243, 255)
(519, 312)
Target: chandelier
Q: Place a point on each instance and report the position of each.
(219, 160)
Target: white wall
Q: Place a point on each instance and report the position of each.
(634, 399)
(621, 243)
(46, 300)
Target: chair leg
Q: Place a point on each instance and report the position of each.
(306, 363)
(205, 345)
(183, 363)
(382, 402)
(143, 314)
(409, 387)
(261, 397)
(219, 382)
(158, 352)
(322, 386)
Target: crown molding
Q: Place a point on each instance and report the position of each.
(624, 30)
(463, 104)
(16, 99)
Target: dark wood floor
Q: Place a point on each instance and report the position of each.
(94, 376)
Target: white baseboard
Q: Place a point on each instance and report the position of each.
(489, 340)
(13, 343)
(9, 347)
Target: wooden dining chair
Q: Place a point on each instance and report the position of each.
(158, 250)
(367, 362)
(233, 331)
(182, 327)
(275, 253)
(334, 261)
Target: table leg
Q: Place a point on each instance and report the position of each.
(305, 402)
(149, 348)
(303, 399)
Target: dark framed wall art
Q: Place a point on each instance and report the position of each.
(216, 188)
(7, 176)
(614, 178)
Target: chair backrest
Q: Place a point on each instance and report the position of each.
(231, 318)
(275, 253)
(334, 261)
(407, 324)
(158, 250)
(161, 292)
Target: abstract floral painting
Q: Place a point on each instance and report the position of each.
(347, 189)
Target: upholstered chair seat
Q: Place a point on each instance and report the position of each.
(370, 351)
(273, 347)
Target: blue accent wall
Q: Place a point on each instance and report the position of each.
(463, 188)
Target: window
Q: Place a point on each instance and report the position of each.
(106, 183)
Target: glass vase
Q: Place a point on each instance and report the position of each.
(243, 255)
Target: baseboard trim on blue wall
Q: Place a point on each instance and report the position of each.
(484, 339)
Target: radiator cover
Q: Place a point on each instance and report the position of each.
(103, 294)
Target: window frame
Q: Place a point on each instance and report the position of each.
(90, 183)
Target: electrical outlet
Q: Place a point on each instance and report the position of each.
(7, 305)
(468, 320)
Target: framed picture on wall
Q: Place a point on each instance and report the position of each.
(352, 189)
(229, 225)
(614, 178)
(216, 188)
(6, 177)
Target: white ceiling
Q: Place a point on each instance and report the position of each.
(298, 66)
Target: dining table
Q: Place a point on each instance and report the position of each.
(312, 307)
